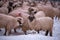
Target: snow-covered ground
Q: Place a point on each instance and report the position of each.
(40, 36)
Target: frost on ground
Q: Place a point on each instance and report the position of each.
(34, 36)
(28, 37)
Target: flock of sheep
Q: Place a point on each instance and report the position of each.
(28, 16)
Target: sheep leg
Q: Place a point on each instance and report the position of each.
(9, 29)
(38, 31)
(51, 33)
(25, 33)
(0, 29)
(46, 33)
(15, 30)
(5, 31)
(9, 32)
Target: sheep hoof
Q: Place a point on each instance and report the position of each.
(50, 34)
(5, 34)
(0, 29)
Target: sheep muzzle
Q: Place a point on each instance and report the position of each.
(31, 18)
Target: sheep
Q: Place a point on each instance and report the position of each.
(8, 22)
(26, 5)
(49, 11)
(5, 4)
(43, 23)
(31, 22)
(33, 4)
(17, 13)
(9, 5)
(39, 14)
(36, 13)
(53, 3)
(45, 1)
(1, 3)
(17, 4)
(4, 10)
(57, 12)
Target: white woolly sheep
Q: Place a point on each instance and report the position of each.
(39, 14)
(42, 23)
(8, 22)
(4, 10)
(1, 3)
(49, 11)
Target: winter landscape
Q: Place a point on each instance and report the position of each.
(20, 14)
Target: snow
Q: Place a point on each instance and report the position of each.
(28, 37)
(34, 36)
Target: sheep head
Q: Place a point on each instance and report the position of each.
(20, 20)
(31, 18)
